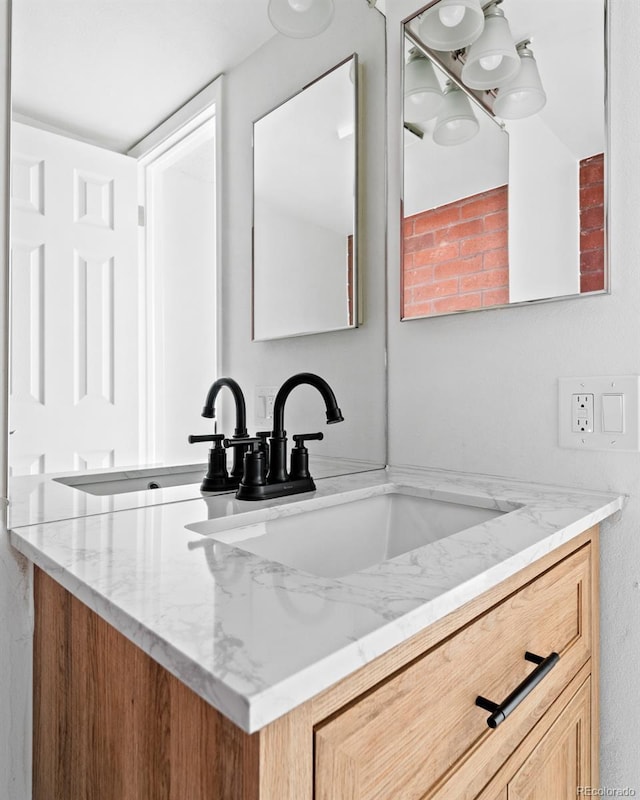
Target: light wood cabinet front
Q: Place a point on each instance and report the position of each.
(420, 734)
(562, 760)
(553, 762)
(112, 724)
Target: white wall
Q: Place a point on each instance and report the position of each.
(298, 258)
(16, 620)
(478, 391)
(352, 360)
(547, 190)
(436, 175)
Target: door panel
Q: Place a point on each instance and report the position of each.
(74, 382)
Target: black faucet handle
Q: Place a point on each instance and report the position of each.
(252, 441)
(264, 442)
(207, 437)
(301, 438)
(254, 463)
(300, 455)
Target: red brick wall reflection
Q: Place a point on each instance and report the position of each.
(455, 256)
(592, 223)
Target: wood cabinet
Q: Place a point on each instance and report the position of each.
(110, 723)
(429, 736)
(552, 765)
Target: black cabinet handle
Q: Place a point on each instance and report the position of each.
(500, 711)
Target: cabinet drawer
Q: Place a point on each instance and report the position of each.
(420, 734)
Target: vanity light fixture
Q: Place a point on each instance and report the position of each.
(524, 94)
(451, 24)
(300, 19)
(456, 123)
(492, 60)
(423, 97)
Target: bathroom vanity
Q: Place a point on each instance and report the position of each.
(170, 664)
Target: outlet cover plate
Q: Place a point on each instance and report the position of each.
(627, 385)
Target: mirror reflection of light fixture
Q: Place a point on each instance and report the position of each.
(492, 59)
(300, 19)
(523, 95)
(451, 24)
(456, 121)
(423, 97)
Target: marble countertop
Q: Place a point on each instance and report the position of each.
(255, 638)
(43, 498)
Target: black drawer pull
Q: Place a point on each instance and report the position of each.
(500, 711)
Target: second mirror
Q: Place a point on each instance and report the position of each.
(304, 236)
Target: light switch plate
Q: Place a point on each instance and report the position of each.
(602, 388)
(263, 405)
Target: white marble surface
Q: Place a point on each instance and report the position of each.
(255, 638)
(41, 498)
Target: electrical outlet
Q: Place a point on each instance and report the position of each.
(582, 413)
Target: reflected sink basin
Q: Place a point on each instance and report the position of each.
(348, 534)
(135, 480)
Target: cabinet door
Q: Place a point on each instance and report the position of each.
(421, 735)
(561, 762)
(553, 761)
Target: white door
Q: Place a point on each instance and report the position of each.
(74, 392)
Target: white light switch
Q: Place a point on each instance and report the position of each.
(263, 405)
(612, 413)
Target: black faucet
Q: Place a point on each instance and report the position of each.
(260, 484)
(217, 479)
(278, 450)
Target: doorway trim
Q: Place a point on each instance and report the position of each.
(163, 146)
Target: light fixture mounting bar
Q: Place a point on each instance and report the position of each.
(451, 64)
(414, 129)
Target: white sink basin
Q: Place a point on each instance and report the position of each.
(348, 534)
(135, 480)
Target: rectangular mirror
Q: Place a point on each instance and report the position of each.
(304, 210)
(504, 154)
(132, 194)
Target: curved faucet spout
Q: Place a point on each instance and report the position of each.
(241, 409)
(332, 410)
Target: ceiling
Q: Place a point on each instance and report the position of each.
(75, 62)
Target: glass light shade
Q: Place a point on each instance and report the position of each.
(450, 16)
(422, 94)
(456, 122)
(300, 19)
(492, 60)
(523, 95)
(451, 24)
